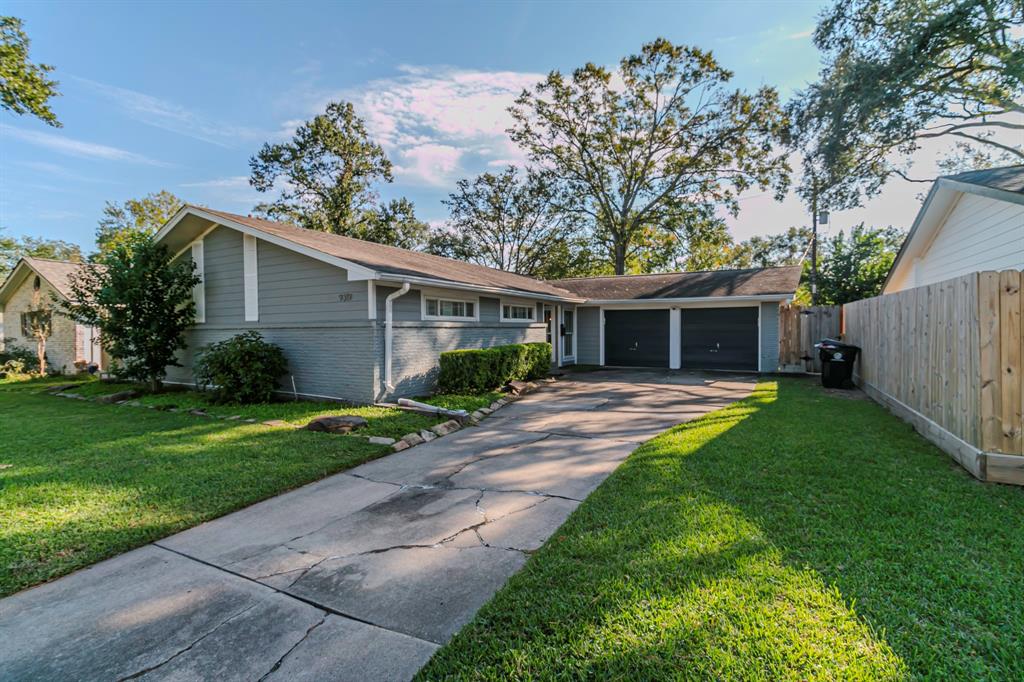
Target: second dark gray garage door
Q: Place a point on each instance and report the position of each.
(636, 338)
(719, 338)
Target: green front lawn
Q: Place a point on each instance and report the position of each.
(382, 421)
(794, 535)
(80, 481)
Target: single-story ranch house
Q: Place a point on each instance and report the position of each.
(37, 283)
(363, 322)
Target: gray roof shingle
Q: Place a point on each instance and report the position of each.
(397, 261)
(724, 283)
(1008, 178)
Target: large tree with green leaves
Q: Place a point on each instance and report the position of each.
(326, 178)
(25, 88)
(505, 220)
(636, 147)
(141, 302)
(786, 248)
(855, 266)
(124, 224)
(897, 73)
(12, 249)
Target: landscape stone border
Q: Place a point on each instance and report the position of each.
(407, 441)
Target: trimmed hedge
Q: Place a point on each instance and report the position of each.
(478, 370)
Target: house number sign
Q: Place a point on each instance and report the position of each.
(345, 298)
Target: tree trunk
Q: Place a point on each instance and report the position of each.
(620, 257)
(154, 385)
(41, 354)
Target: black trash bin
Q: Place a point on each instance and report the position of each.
(836, 363)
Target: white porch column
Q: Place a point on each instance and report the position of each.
(675, 338)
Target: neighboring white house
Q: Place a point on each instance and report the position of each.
(969, 223)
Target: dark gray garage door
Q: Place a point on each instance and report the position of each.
(636, 338)
(719, 338)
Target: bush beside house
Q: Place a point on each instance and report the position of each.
(478, 370)
(243, 369)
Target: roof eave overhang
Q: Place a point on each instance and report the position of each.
(640, 302)
(355, 270)
(461, 286)
(940, 200)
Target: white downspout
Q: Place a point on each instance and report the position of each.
(389, 333)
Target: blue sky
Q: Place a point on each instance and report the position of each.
(178, 96)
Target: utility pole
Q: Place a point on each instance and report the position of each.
(814, 247)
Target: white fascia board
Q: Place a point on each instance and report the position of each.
(356, 272)
(982, 190)
(937, 205)
(392, 279)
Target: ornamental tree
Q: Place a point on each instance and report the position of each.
(141, 303)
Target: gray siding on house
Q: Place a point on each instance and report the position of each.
(222, 277)
(769, 337)
(298, 290)
(418, 343)
(332, 362)
(588, 340)
(417, 348)
(307, 307)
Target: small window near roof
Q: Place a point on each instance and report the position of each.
(450, 309)
(518, 312)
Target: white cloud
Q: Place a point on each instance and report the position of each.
(432, 163)
(234, 189)
(66, 145)
(433, 120)
(167, 115)
(801, 35)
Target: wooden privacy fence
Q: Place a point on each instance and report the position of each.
(799, 329)
(948, 358)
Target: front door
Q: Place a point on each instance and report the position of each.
(550, 334)
(568, 335)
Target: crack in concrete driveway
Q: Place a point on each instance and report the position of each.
(361, 575)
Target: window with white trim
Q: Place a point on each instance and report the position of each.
(438, 308)
(518, 312)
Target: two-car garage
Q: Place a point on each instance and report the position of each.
(725, 338)
(716, 319)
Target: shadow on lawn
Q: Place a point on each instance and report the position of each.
(793, 535)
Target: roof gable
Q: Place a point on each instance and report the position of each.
(367, 260)
(1000, 184)
(56, 273)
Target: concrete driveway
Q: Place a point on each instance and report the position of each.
(360, 576)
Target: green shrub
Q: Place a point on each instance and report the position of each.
(478, 370)
(242, 369)
(18, 354)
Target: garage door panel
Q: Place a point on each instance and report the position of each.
(719, 338)
(636, 338)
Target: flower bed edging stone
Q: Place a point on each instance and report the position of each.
(516, 390)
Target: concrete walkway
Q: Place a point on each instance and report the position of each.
(360, 576)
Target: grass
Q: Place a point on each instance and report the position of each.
(382, 421)
(793, 535)
(469, 403)
(80, 482)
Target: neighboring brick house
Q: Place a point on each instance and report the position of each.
(364, 322)
(33, 285)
